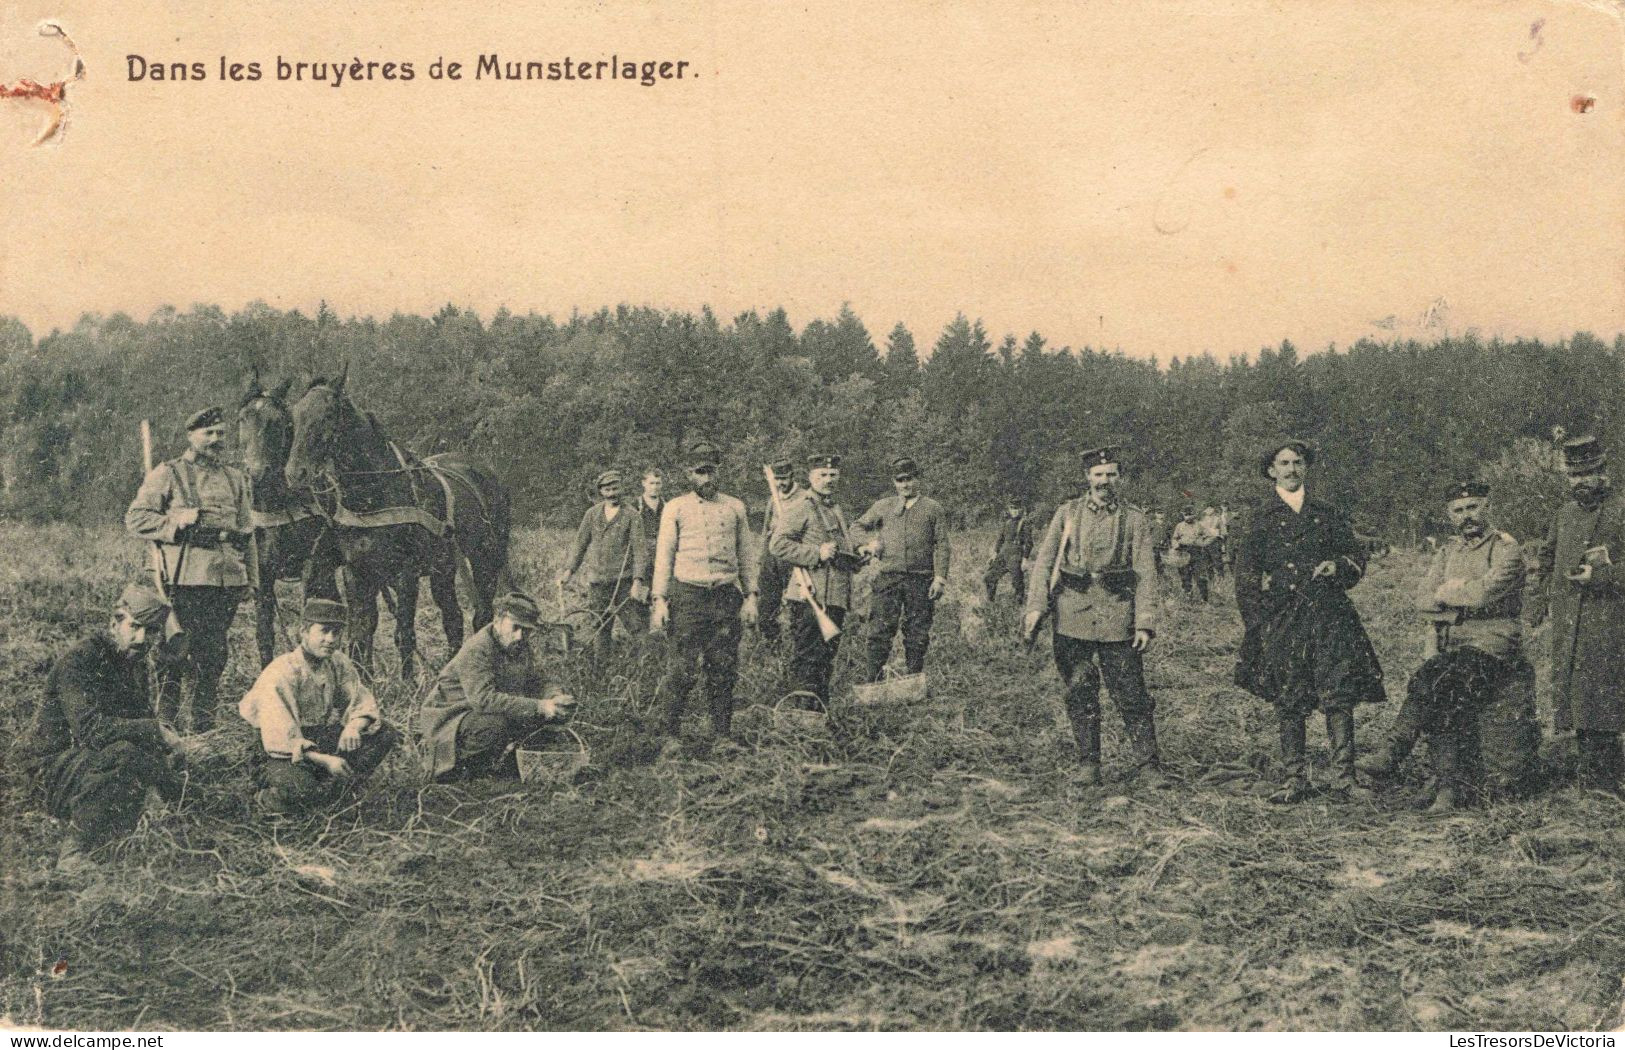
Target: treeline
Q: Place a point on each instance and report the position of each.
(551, 402)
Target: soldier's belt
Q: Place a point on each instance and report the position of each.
(1117, 582)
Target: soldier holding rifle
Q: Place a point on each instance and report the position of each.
(812, 535)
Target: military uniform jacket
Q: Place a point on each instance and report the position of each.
(808, 524)
(913, 538)
(220, 493)
(1015, 542)
(1107, 552)
(481, 677)
(1481, 582)
(764, 563)
(94, 696)
(1304, 644)
(1588, 622)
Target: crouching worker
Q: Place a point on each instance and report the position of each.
(490, 698)
(319, 723)
(95, 746)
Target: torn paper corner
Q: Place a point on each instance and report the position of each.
(53, 95)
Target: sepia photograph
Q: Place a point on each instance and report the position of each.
(918, 516)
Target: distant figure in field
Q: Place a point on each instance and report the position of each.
(911, 545)
(609, 545)
(1103, 608)
(813, 535)
(704, 593)
(1304, 648)
(96, 745)
(1217, 530)
(1579, 564)
(318, 722)
(1013, 547)
(196, 509)
(1192, 542)
(773, 573)
(489, 698)
(1473, 675)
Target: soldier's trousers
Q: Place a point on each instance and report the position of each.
(482, 746)
(205, 614)
(813, 662)
(703, 638)
(775, 577)
(100, 791)
(1196, 572)
(290, 786)
(609, 600)
(900, 598)
(997, 572)
(1083, 665)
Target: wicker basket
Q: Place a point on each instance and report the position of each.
(894, 688)
(553, 767)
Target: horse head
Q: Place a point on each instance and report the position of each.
(322, 418)
(265, 433)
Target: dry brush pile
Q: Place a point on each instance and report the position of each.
(931, 867)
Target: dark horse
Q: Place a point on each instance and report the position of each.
(286, 525)
(392, 518)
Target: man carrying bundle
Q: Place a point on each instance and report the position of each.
(1102, 598)
(813, 535)
(95, 746)
(318, 722)
(912, 548)
(609, 544)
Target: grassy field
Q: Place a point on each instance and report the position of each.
(932, 867)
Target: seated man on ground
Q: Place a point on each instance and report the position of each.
(489, 698)
(96, 746)
(319, 724)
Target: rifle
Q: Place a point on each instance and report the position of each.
(826, 626)
(1054, 580)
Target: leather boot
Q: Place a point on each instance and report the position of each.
(1340, 776)
(1443, 751)
(1402, 738)
(1147, 761)
(1294, 761)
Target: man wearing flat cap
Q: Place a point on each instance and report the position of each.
(196, 509)
(1304, 647)
(610, 548)
(1473, 667)
(1095, 576)
(319, 725)
(910, 541)
(704, 591)
(1013, 546)
(772, 574)
(814, 536)
(95, 745)
(1586, 594)
(489, 698)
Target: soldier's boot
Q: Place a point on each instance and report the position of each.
(1147, 760)
(1402, 738)
(1086, 728)
(1341, 783)
(1444, 753)
(1294, 761)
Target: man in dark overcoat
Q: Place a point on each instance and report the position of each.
(1587, 601)
(1304, 648)
(1013, 546)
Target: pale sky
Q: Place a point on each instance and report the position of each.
(1202, 176)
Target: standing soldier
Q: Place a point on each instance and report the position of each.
(813, 535)
(1588, 614)
(1102, 595)
(1193, 541)
(912, 548)
(611, 546)
(704, 588)
(196, 509)
(1014, 546)
(1304, 646)
(772, 573)
(649, 508)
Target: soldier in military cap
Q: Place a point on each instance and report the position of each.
(1472, 597)
(1304, 647)
(911, 545)
(609, 546)
(319, 723)
(1095, 575)
(813, 534)
(1013, 547)
(1579, 565)
(196, 509)
(704, 590)
(96, 745)
(773, 574)
(491, 696)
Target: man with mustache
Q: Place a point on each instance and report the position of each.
(318, 722)
(95, 746)
(196, 509)
(1304, 648)
(1587, 600)
(1095, 574)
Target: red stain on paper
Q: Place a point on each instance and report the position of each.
(53, 94)
(1582, 103)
